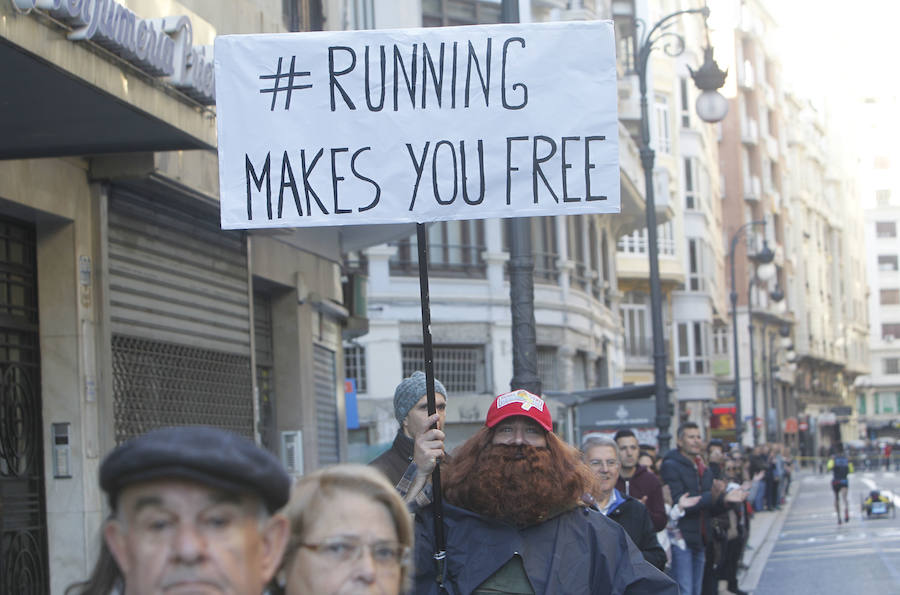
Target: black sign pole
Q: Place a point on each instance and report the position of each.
(440, 547)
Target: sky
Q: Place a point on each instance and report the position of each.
(839, 48)
(837, 52)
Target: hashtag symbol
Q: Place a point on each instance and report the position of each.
(280, 77)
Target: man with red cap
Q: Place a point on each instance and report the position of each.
(515, 516)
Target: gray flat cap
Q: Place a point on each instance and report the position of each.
(203, 454)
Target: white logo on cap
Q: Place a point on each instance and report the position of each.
(525, 399)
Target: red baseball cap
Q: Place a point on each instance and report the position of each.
(519, 402)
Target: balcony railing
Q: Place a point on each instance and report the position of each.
(637, 244)
(445, 260)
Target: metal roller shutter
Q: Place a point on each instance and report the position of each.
(326, 405)
(180, 318)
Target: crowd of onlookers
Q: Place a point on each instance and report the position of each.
(704, 539)
(514, 509)
(869, 455)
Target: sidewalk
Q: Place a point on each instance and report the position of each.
(765, 526)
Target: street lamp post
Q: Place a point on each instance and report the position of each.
(711, 107)
(753, 412)
(771, 398)
(764, 257)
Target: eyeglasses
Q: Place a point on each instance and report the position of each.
(610, 464)
(343, 549)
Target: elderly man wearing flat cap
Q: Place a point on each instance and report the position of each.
(192, 512)
(411, 411)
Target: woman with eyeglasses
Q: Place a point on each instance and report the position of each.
(350, 533)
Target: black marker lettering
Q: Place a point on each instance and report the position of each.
(434, 172)
(332, 75)
(509, 167)
(419, 165)
(453, 77)
(485, 77)
(438, 80)
(264, 176)
(373, 108)
(410, 84)
(536, 166)
(462, 158)
(335, 179)
(365, 179)
(566, 165)
(287, 172)
(307, 188)
(588, 166)
(503, 78)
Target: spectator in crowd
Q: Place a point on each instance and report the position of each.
(649, 448)
(601, 453)
(728, 531)
(191, 507)
(646, 460)
(759, 464)
(411, 412)
(637, 481)
(516, 520)
(715, 454)
(350, 533)
(774, 476)
(684, 471)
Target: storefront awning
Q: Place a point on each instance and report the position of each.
(47, 112)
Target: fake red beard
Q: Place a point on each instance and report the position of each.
(517, 484)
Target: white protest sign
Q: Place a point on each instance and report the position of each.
(417, 125)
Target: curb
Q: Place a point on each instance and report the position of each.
(761, 552)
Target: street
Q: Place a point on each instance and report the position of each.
(810, 553)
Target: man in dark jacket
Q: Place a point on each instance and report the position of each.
(601, 453)
(684, 471)
(515, 519)
(411, 411)
(639, 482)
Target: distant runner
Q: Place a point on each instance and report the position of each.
(840, 467)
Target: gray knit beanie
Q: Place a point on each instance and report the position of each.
(410, 391)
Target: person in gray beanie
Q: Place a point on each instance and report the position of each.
(411, 411)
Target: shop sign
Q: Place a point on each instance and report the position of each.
(621, 413)
(160, 47)
(417, 125)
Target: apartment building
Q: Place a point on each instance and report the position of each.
(752, 149)
(687, 191)
(827, 291)
(878, 398)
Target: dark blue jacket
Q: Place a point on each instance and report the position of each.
(576, 552)
(680, 474)
(635, 519)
